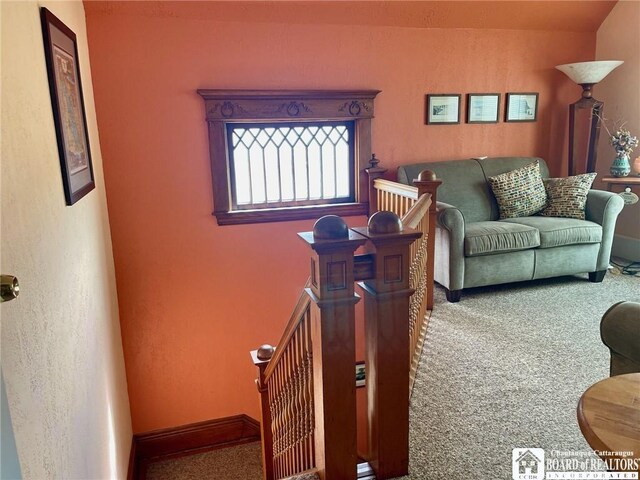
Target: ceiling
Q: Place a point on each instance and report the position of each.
(550, 15)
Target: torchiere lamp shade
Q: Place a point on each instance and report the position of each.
(589, 72)
(585, 114)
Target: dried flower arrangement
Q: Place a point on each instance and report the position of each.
(622, 140)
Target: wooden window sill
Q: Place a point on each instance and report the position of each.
(286, 214)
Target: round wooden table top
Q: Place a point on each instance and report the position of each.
(609, 415)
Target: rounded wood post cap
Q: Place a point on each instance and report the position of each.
(385, 222)
(330, 227)
(427, 176)
(265, 352)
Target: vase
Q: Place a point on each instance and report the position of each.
(620, 166)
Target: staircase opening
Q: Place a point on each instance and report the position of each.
(307, 384)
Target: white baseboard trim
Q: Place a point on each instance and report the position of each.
(626, 247)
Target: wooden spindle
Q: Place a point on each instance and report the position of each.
(261, 358)
(287, 420)
(275, 403)
(310, 388)
(298, 402)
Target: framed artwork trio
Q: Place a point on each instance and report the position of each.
(444, 108)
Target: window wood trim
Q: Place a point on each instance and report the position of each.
(230, 106)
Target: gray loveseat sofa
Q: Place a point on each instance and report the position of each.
(474, 248)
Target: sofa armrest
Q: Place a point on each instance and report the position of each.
(603, 208)
(620, 331)
(449, 267)
(601, 204)
(450, 217)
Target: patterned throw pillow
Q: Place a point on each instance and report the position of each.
(519, 193)
(568, 196)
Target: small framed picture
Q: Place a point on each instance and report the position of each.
(521, 107)
(61, 54)
(443, 109)
(360, 375)
(483, 107)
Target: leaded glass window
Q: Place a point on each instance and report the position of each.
(278, 165)
(279, 155)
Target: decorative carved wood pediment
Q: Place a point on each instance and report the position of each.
(288, 104)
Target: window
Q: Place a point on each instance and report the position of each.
(294, 164)
(279, 155)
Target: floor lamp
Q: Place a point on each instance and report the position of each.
(585, 114)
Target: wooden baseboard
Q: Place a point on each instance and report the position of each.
(190, 439)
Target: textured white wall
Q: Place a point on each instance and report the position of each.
(61, 346)
(619, 39)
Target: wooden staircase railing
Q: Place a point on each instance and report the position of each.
(285, 383)
(307, 383)
(417, 217)
(416, 206)
(308, 386)
(289, 376)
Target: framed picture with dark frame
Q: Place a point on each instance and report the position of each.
(483, 107)
(61, 53)
(443, 109)
(521, 107)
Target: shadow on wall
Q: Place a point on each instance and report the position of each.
(9, 464)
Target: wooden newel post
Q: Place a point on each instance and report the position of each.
(261, 358)
(332, 311)
(428, 183)
(387, 344)
(374, 172)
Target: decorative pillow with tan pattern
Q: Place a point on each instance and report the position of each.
(519, 193)
(568, 196)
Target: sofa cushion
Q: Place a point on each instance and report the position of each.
(485, 238)
(492, 166)
(567, 196)
(519, 193)
(463, 185)
(556, 232)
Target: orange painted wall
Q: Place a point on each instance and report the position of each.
(194, 297)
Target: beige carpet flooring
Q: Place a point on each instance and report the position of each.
(243, 462)
(504, 369)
